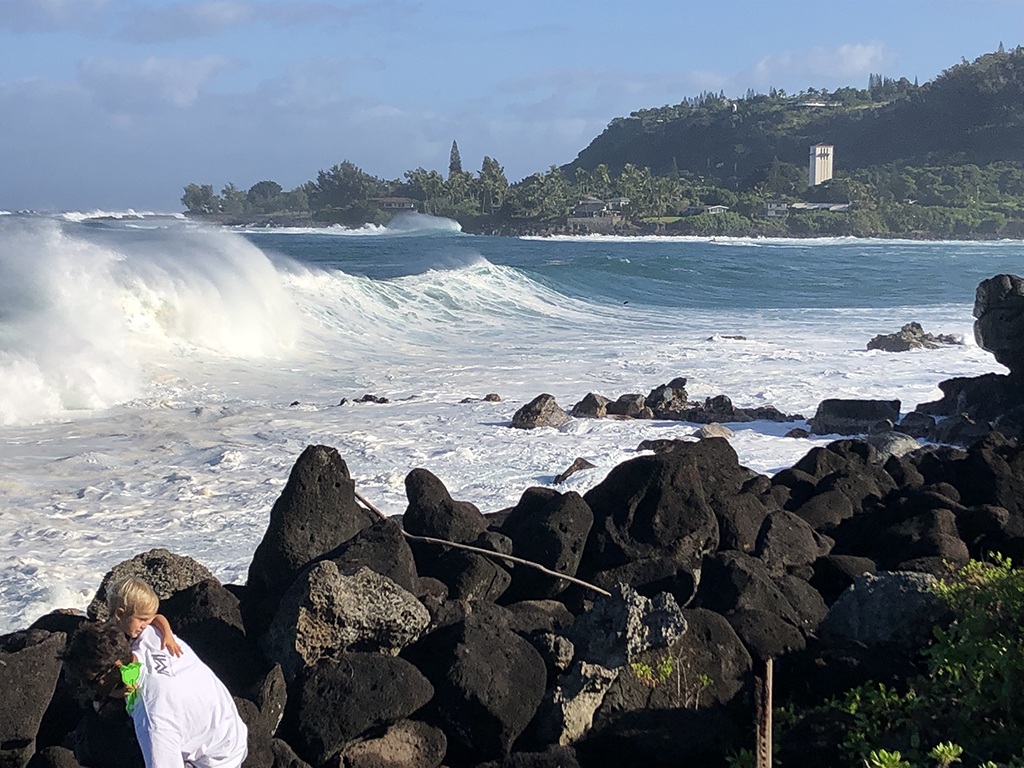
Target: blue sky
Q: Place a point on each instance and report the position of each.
(115, 104)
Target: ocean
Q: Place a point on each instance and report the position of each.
(159, 378)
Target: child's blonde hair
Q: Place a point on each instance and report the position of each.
(132, 596)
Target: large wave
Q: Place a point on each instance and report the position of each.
(81, 316)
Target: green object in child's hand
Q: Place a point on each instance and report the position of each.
(130, 678)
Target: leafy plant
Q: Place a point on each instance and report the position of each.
(881, 758)
(946, 753)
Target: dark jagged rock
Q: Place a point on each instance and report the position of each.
(164, 571)
(833, 574)
(917, 425)
(209, 618)
(732, 582)
(551, 530)
(592, 406)
(657, 507)
(432, 511)
(911, 336)
(785, 540)
(383, 549)
(542, 411)
(886, 608)
(577, 465)
(29, 668)
(470, 576)
(337, 700)
(631, 405)
(669, 399)
(852, 417)
(315, 513)
(488, 684)
(999, 320)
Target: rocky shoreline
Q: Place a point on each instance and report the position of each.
(361, 641)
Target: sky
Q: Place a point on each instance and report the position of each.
(118, 104)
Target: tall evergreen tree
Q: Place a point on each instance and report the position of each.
(454, 161)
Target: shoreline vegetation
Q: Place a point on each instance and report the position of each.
(940, 160)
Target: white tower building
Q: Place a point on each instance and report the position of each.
(821, 164)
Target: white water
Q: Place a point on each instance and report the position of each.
(145, 393)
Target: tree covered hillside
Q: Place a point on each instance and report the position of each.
(972, 113)
(939, 160)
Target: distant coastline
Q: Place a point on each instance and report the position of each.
(540, 229)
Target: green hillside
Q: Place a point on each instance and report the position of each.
(972, 113)
(939, 160)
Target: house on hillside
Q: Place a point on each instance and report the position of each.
(588, 208)
(713, 209)
(395, 204)
(820, 206)
(776, 209)
(593, 215)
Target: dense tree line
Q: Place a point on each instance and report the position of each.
(938, 160)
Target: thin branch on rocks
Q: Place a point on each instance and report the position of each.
(485, 552)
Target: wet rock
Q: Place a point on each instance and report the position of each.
(852, 417)
(542, 411)
(911, 336)
(432, 511)
(577, 465)
(592, 406)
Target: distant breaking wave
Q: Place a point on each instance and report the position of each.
(402, 224)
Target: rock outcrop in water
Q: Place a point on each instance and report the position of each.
(353, 647)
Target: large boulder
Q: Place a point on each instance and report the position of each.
(433, 512)
(910, 336)
(542, 411)
(896, 608)
(405, 744)
(852, 417)
(381, 548)
(592, 406)
(29, 669)
(326, 613)
(164, 571)
(707, 666)
(999, 320)
(337, 700)
(315, 513)
(550, 529)
(209, 617)
(657, 507)
(488, 683)
(623, 625)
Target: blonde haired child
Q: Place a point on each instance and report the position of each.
(132, 606)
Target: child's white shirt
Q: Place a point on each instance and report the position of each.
(183, 711)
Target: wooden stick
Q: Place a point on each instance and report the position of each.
(486, 552)
(763, 713)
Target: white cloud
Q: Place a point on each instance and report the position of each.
(189, 20)
(51, 15)
(132, 87)
(811, 68)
